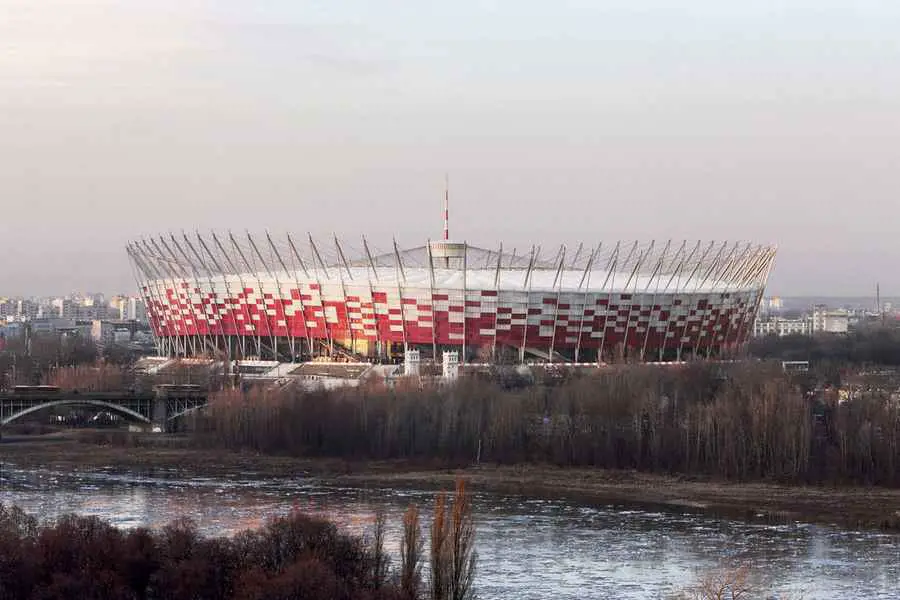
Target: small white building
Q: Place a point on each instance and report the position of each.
(450, 365)
(411, 362)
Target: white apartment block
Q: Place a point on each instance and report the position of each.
(780, 327)
(819, 321)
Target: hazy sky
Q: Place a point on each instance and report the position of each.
(767, 121)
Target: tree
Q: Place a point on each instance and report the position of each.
(462, 545)
(453, 546)
(379, 558)
(440, 563)
(411, 554)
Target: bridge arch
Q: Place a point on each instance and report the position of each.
(186, 412)
(110, 406)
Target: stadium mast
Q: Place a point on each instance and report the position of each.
(446, 207)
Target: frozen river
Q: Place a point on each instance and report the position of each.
(527, 548)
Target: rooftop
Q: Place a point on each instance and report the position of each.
(621, 266)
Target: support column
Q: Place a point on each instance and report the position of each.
(159, 418)
(402, 277)
(676, 276)
(245, 311)
(497, 301)
(200, 313)
(657, 275)
(586, 283)
(557, 283)
(213, 296)
(526, 285)
(465, 301)
(296, 256)
(611, 265)
(147, 295)
(697, 285)
(170, 333)
(317, 258)
(228, 300)
(634, 292)
(378, 343)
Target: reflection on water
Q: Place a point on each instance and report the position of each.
(526, 548)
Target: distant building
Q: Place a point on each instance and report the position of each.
(135, 311)
(121, 336)
(27, 309)
(795, 366)
(63, 308)
(102, 332)
(771, 304)
(110, 332)
(51, 325)
(128, 308)
(13, 329)
(820, 320)
(781, 327)
(830, 321)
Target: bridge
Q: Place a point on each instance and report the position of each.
(156, 409)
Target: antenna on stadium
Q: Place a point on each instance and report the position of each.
(446, 207)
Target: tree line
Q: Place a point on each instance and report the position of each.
(293, 556)
(740, 421)
(36, 360)
(865, 345)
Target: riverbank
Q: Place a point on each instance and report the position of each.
(851, 507)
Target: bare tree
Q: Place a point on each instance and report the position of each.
(379, 557)
(440, 559)
(742, 421)
(411, 546)
(728, 583)
(462, 544)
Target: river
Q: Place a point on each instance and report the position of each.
(527, 548)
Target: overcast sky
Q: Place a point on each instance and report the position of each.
(601, 119)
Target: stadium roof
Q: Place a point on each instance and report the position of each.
(625, 266)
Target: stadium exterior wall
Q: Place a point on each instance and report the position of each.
(650, 302)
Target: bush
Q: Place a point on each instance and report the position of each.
(295, 556)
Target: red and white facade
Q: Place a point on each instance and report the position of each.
(267, 298)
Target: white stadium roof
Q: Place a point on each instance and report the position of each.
(633, 267)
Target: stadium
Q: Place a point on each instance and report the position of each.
(242, 297)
